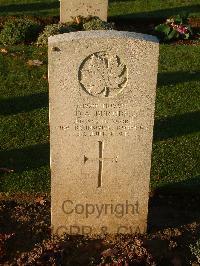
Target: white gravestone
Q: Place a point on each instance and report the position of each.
(102, 88)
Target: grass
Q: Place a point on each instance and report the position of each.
(24, 131)
(138, 9)
(124, 9)
(24, 120)
(29, 7)
(177, 127)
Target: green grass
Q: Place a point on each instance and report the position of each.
(125, 9)
(24, 120)
(24, 132)
(153, 8)
(29, 7)
(177, 128)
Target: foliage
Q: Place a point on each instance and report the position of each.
(18, 31)
(51, 30)
(80, 23)
(95, 23)
(174, 28)
(195, 249)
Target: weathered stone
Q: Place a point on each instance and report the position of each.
(102, 98)
(70, 9)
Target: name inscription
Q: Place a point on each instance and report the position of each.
(102, 120)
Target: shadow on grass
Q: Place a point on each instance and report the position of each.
(159, 14)
(175, 126)
(177, 77)
(175, 204)
(21, 104)
(24, 159)
(28, 7)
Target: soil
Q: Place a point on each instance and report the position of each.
(25, 235)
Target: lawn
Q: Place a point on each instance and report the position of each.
(123, 8)
(29, 7)
(24, 120)
(24, 130)
(177, 125)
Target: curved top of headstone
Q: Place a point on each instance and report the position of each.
(101, 34)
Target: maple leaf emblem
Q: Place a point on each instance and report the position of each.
(103, 75)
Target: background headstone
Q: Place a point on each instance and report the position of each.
(102, 99)
(70, 9)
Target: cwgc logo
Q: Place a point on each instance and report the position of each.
(103, 75)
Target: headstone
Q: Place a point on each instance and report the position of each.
(70, 9)
(102, 98)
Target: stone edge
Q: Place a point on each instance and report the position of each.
(100, 34)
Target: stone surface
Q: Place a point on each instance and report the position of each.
(70, 9)
(102, 98)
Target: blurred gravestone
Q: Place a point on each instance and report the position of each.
(70, 9)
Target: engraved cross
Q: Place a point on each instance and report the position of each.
(100, 159)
